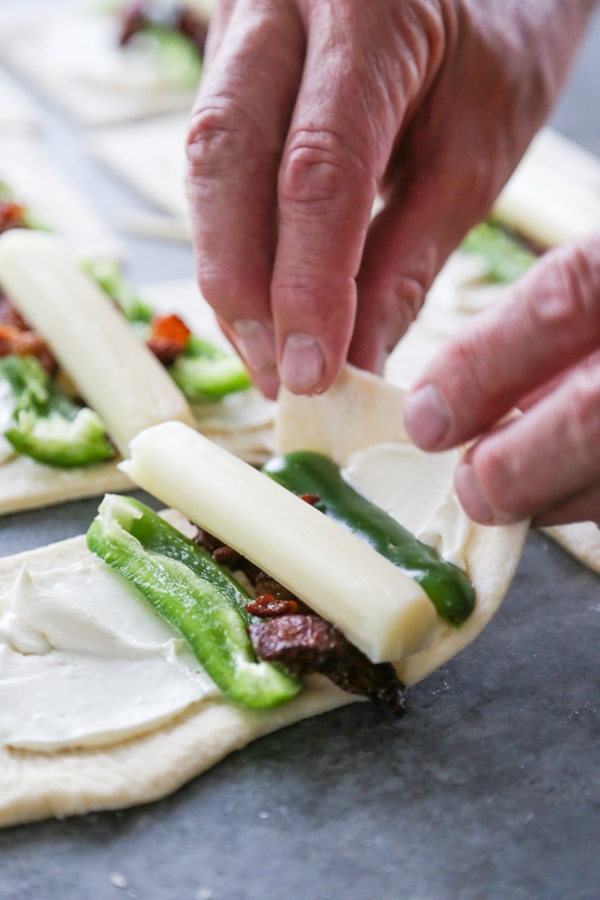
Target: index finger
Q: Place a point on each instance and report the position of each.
(342, 132)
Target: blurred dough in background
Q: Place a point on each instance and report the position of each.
(71, 52)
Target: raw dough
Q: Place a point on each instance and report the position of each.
(71, 52)
(52, 198)
(36, 785)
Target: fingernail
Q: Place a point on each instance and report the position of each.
(256, 343)
(302, 363)
(427, 417)
(470, 495)
(268, 384)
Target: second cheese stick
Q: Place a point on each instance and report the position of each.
(376, 605)
(112, 369)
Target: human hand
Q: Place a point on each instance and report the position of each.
(306, 109)
(538, 350)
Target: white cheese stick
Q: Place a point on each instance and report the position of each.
(547, 205)
(113, 371)
(379, 608)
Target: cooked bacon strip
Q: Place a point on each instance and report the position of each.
(21, 343)
(300, 639)
(310, 644)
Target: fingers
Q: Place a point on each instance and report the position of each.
(544, 459)
(236, 136)
(219, 20)
(405, 248)
(340, 139)
(584, 507)
(551, 321)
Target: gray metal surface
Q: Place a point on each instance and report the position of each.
(490, 787)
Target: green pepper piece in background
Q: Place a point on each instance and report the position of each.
(305, 472)
(177, 57)
(48, 426)
(27, 218)
(198, 606)
(109, 277)
(506, 256)
(206, 374)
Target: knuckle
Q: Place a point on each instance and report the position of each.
(407, 298)
(219, 135)
(584, 413)
(566, 303)
(221, 287)
(467, 358)
(320, 165)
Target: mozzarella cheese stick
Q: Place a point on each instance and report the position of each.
(552, 196)
(379, 608)
(113, 371)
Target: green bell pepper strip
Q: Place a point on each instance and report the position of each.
(108, 276)
(206, 374)
(48, 427)
(305, 472)
(506, 256)
(177, 57)
(191, 591)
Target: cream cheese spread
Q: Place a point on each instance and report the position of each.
(386, 474)
(85, 661)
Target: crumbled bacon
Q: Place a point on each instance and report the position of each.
(310, 498)
(17, 338)
(294, 635)
(9, 315)
(168, 337)
(25, 343)
(226, 556)
(12, 215)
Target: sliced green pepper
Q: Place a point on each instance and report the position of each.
(506, 256)
(177, 57)
(304, 472)
(206, 374)
(48, 426)
(194, 594)
(108, 276)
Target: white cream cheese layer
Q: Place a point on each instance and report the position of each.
(386, 474)
(84, 661)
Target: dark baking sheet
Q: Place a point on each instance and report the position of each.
(488, 788)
